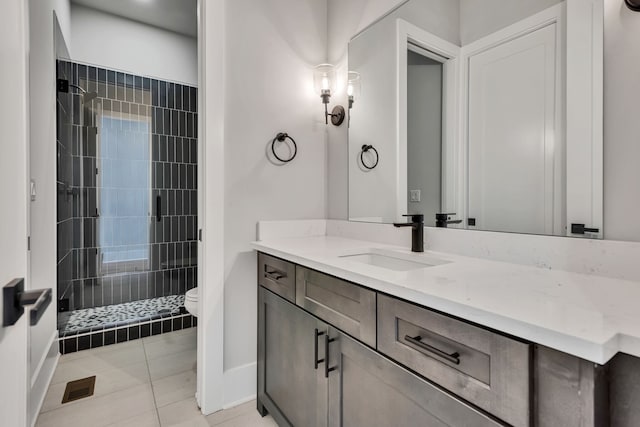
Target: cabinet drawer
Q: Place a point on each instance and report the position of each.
(368, 390)
(347, 306)
(277, 275)
(487, 369)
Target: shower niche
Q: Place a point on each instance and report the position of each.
(126, 205)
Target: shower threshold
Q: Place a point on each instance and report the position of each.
(116, 315)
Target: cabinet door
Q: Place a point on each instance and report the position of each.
(367, 389)
(291, 386)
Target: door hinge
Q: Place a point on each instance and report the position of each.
(200, 234)
(28, 243)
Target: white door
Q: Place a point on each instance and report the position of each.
(13, 210)
(513, 135)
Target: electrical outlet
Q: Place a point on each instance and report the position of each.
(414, 196)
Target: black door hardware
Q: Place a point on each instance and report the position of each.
(417, 341)
(582, 229)
(274, 275)
(316, 362)
(327, 341)
(14, 298)
(444, 219)
(417, 231)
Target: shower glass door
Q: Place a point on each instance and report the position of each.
(124, 191)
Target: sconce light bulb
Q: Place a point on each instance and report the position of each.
(325, 83)
(350, 90)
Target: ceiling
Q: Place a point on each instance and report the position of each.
(179, 16)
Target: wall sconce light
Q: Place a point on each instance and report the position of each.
(633, 5)
(353, 87)
(324, 81)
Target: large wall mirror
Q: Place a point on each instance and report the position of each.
(488, 111)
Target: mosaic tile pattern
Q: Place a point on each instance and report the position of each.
(117, 314)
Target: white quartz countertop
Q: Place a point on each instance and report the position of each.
(587, 316)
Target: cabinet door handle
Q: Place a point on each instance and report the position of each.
(327, 369)
(453, 357)
(275, 275)
(316, 362)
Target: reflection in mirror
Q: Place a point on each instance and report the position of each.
(471, 112)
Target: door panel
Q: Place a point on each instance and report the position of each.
(289, 385)
(514, 139)
(13, 215)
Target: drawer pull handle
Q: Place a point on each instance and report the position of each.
(327, 369)
(274, 275)
(316, 362)
(453, 357)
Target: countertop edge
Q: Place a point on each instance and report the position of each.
(595, 352)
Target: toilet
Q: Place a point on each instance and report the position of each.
(191, 301)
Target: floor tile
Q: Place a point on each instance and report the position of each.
(108, 381)
(166, 344)
(174, 388)
(70, 369)
(245, 415)
(182, 413)
(172, 364)
(148, 419)
(102, 411)
(227, 414)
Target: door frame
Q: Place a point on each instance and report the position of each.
(406, 33)
(210, 393)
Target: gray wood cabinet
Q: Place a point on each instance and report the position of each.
(290, 385)
(323, 362)
(367, 389)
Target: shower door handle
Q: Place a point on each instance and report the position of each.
(159, 208)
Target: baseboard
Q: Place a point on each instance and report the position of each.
(42, 378)
(240, 385)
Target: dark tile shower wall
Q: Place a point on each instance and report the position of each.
(141, 147)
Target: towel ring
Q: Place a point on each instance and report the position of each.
(281, 137)
(365, 149)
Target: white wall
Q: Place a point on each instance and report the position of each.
(42, 168)
(621, 125)
(271, 49)
(113, 42)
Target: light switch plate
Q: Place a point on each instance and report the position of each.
(414, 196)
(32, 190)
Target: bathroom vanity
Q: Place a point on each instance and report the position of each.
(353, 333)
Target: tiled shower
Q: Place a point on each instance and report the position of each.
(126, 205)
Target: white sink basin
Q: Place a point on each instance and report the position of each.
(396, 262)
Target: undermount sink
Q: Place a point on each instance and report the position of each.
(394, 262)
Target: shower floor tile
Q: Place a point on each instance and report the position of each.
(111, 315)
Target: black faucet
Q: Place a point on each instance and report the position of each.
(417, 231)
(443, 219)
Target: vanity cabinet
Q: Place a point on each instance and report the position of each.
(334, 353)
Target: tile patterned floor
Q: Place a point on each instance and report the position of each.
(147, 382)
(85, 319)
